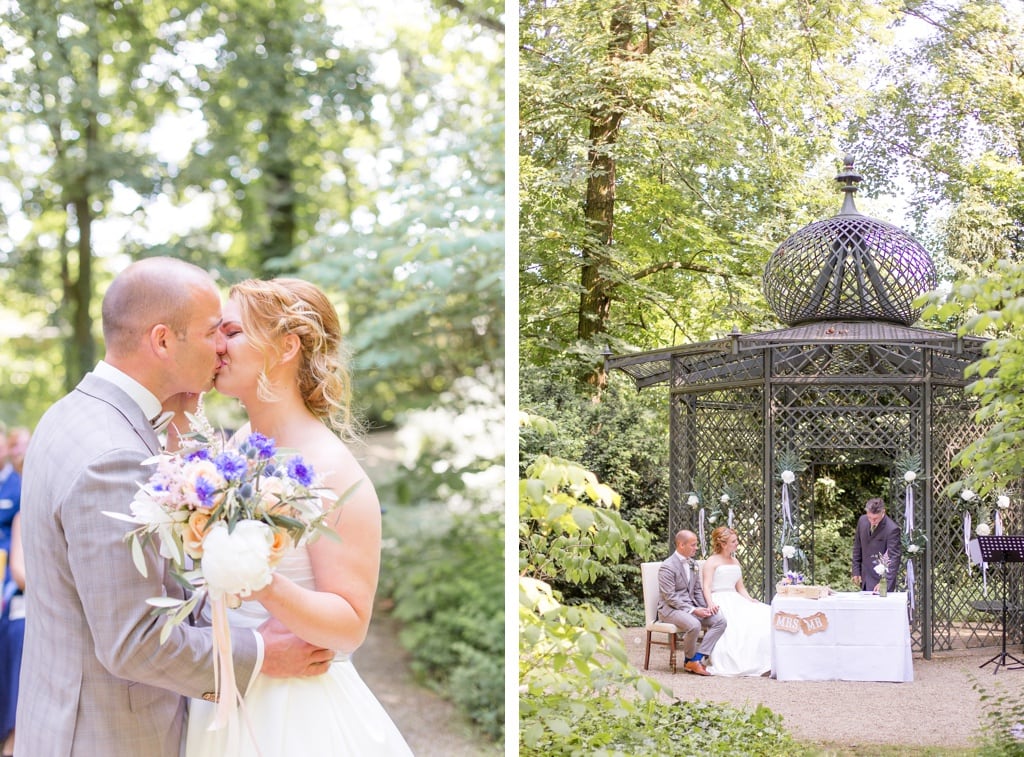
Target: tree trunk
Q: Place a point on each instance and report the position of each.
(599, 206)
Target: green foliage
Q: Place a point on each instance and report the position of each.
(992, 305)
(1003, 732)
(833, 549)
(448, 588)
(569, 525)
(658, 727)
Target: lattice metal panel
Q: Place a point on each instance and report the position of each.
(846, 359)
(721, 446)
(848, 267)
(961, 613)
(696, 372)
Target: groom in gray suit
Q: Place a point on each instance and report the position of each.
(95, 679)
(682, 603)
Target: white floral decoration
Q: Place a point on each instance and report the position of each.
(967, 495)
(1003, 501)
(724, 499)
(693, 500)
(983, 529)
(788, 477)
(789, 551)
(909, 476)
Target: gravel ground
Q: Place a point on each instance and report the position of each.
(939, 708)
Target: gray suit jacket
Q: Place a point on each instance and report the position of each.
(676, 592)
(95, 679)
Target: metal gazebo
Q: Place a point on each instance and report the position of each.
(851, 382)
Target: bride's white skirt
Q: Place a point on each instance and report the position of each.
(745, 647)
(332, 715)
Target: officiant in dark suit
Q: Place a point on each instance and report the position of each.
(682, 603)
(876, 534)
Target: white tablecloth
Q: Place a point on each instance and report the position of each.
(867, 638)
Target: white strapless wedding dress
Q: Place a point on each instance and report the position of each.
(745, 647)
(332, 715)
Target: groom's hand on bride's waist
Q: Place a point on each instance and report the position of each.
(285, 655)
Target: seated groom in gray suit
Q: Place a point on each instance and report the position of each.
(95, 678)
(682, 603)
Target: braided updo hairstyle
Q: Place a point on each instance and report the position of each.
(274, 308)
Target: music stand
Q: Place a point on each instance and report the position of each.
(1002, 549)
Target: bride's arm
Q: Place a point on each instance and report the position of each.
(742, 590)
(337, 614)
(707, 573)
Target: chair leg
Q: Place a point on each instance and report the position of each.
(672, 652)
(647, 656)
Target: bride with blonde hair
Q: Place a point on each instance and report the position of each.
(745, 647)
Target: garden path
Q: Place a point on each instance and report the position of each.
(939, 708)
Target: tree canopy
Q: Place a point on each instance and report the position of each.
(358, 144)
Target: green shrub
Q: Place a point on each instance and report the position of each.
(659, 727)
(448, 588)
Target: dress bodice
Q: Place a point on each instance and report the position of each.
(725, 578)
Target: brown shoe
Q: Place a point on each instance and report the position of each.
(696, 668)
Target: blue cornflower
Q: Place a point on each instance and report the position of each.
(200, 454)
(205, 490)
(300, 471)
(261, 445)
(231, 466)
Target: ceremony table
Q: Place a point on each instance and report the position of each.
(848, 636)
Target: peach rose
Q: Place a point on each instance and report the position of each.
(195, 531)
(281, 544)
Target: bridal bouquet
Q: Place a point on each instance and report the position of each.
(223, 517)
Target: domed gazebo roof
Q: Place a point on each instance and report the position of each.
(849, 267)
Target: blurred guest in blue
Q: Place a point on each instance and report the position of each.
(10, 493)
(12, 638)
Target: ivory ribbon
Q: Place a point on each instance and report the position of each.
(999, 523)
(908, 528)
(700, 531)
(730, 518)
(229, 700)
(967, 538)
(223, 667)
(787, 511)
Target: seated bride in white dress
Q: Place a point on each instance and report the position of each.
(745, 647)
(282, 362)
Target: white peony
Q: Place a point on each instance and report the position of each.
(789, 551)
(788, 477)
(909, 476)
(1003, 501)
(983, 529)
(692, 500)
(238, 562)
(967, 495)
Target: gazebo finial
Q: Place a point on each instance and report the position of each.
(849, 180)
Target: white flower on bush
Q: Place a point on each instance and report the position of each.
(788, 477)
(1002, 502)
(909, 476)
(789, 551)
(238, 562)
(693, 500)
(983, 529)
(967, 495)
(724, 499)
